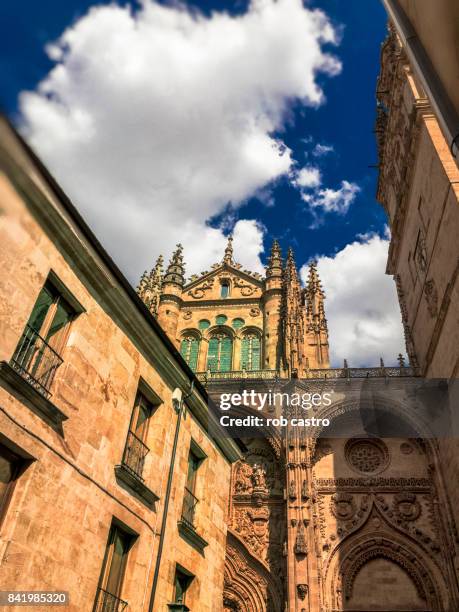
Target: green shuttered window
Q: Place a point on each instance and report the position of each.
(189, 350)
(220, 353)
(250, 352)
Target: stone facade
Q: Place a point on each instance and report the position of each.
(419, 189)
(269, 323)
(75, 479)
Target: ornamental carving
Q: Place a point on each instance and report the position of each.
(406, 506)
(300, 548)
(367, 456)
(302, 590)
(199, 292)
(431, 295)
(246, 290)
(342, 506)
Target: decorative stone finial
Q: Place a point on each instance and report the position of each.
(149, 287)
(228, 256)
(175, 272)
(275, 261)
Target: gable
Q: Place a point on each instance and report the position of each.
(209, 286)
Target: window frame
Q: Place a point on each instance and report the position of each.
(188, 578)
(130, 539)
(19, 464)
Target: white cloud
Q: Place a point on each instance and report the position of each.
(361, 304)
(155, 121)
(335, 200)
(307, 177)
(320, 150)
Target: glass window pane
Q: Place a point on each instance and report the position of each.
(203, 324)
(141, 416)
(189, 350)
(212, 355)
(120, 545)
(193, 464)
(40, 310)
(60, 320)
(224, 291)
(226, 354)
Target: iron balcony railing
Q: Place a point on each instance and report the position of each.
(134, 454)
(189, 508)
(107, 602)
(36, 361)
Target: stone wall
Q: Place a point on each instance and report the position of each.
(54, 533)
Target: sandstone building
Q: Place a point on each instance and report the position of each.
(87, 422)
(114, 490)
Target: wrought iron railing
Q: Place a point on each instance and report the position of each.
(134, 454)
(189, 508)
(36, 361)
(107, 602)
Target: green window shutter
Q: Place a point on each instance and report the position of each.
(212, 355)
(256, 353)
(194, 350)
(226, 353)
(245, 347)
(250, 353)
(221, 319)
(238, 323)
(189, 349)
(203, 324)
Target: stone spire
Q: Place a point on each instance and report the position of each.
(316, 321)
(175, 272)
(275, 261)
(290, 266)
(149, 288)
(228, 256)
(314, 293)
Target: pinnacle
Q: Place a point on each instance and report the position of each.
(228, 256)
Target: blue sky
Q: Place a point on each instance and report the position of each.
(345, 121)
(184, 123)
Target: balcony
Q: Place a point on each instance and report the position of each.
(189, 508)
(130, 472)
(311, 373)
(134, 455)
(36, 361)
(107, 602)
(186, 525)
(238, 375)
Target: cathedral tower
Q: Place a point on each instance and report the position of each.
(236, 321)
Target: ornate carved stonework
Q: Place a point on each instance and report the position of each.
(431, 295)
(367, 456)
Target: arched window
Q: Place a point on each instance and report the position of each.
(220, 353)
(189, 350)
(221, 319)
(250, 352)
(203, 324)
(224, 289)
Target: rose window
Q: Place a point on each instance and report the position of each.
(367, 456)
